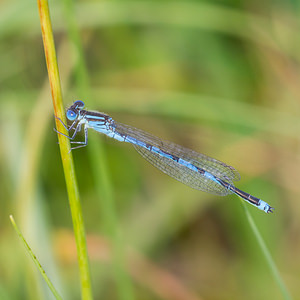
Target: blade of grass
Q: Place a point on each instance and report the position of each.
(99, 167)
(267, 255)
(67, 158)
(35, 260)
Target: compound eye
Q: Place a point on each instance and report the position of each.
(79, 104)
(71, 115)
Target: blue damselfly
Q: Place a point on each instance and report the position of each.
(196, 170)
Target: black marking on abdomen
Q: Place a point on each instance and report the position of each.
(149, 147)
(175, 158)
(240, 193)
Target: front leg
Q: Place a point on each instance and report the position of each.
(85, 139)
(77, 129)
(66, 127)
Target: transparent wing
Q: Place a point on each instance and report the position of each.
(178, 171)
(182, 173)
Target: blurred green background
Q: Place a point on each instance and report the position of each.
(220, 77)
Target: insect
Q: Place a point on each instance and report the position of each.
(194, 169)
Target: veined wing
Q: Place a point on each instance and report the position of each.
(211, 165)
(182, 173)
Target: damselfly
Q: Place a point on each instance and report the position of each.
(187, 166)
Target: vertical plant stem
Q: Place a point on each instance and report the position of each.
(67, 159)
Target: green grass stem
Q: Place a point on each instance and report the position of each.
(35, 260)
(67, 158)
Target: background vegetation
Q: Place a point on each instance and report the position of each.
(220, 77)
